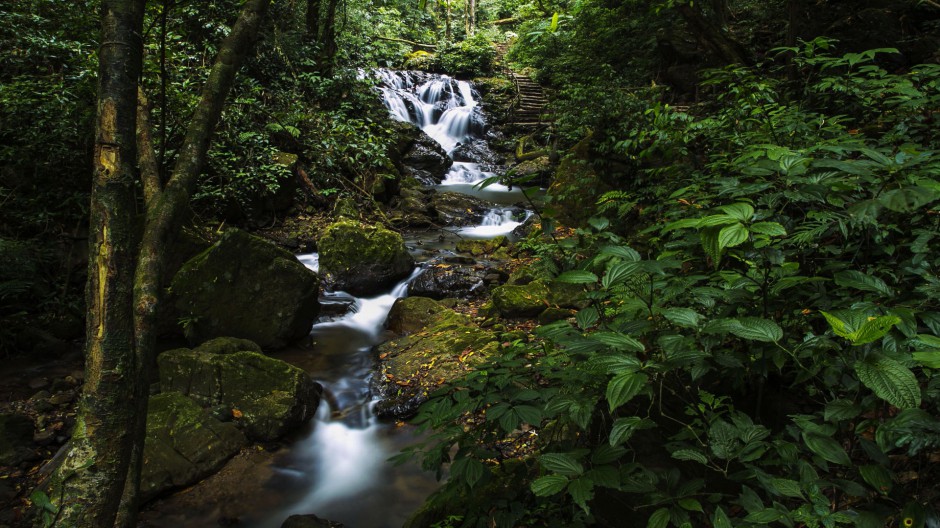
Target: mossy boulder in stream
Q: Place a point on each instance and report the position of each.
(266, 396)
(437, 344)
(361, 259)
(245, 287)
(521, 301)
(183, 444)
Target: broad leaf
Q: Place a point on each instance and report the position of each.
(757, 329)
(768, 228)
(786, 487)
(827, 448)
(684, 317)
(690, 454)
(841, 409)
(548, 485)
(731, 236)
(908, 199)
(618, 273)
(890, 381)
(470, 470)
(561, 463)
(577, 277)
(659, 519)
(873, 329)
(739, 211)
(624, 387)
(581, 490)
(861, 281)
(878, 477)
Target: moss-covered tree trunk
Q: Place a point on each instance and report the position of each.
(97, 484)
(88, 485)
(312, 31)
(328, 46)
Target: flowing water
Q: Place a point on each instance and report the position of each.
(338, 468)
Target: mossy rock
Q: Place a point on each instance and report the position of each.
(521, 301)
(576, 186)
(246, 287)
(183, 444)
(566, 295)
(442, 345)
(552, 314)
(363, 259)
(479, 248)
(267, 396)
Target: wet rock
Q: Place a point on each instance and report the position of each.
(361, 258)
(440, 345)
(309, 521)
(479, 248)
(44, 437)
(452, 208)
(443, 280)
(425, 156)
(477, 151)
(412, 207)
(537, 171)
(62, 398)
(183, 444)
(551, 314)
(219, 293)
(266, 396)
(16, 438)
(521, 301)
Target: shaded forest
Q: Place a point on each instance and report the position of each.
(721, 309)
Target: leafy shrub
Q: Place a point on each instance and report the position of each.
(763, 349)
(472, 57)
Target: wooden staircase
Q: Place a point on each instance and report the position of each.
(529, 109)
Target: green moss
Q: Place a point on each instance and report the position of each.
(521, 301)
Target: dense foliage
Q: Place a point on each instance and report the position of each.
(762, 339)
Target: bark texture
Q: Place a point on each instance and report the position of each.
(88, 485)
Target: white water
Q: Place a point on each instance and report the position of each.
(342, 463)
(417, 103)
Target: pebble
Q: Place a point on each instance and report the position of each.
(62, 398)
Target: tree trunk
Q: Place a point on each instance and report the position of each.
(106, 452)
(473, 17)
(88, 485)
(313, 20)
(328, 46)
(713, 37)
(447, 30)
(164, 216)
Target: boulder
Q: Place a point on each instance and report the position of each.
(576, 186)
(183, 444)
(536, 171)
(438, 344)
(445, 280)
(309, 521)
(479, 248)
(16, 439)
(416, 150)
(453, 208)
(266, 396)
(361, 259)
(246, 287)
(521, 301)
(477, 151)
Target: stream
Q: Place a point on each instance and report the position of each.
(337, 468)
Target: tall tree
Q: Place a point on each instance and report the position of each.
(100, 474)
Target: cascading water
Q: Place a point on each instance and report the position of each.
(447, 110)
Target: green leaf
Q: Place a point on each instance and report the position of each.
(554, 24)
(618, 273)
(581, 491)
(930, 359)
(878, 477)
(606, 453)
(731, 236)
(528, 414)
(470, 470)
(838, 325)
(684, 317)
(548, 485)
(861, 281)
(659, 519)
(586, 317)
(765, 516)
(768, 228)
(577, 277)
(710, 245)
(690, 454)
(619, 341)
(627, 253)
(622, 388)
(908, 199)
(720, 518)
(624, 428)
(561, 463)
(786, 487)
(715, 220)
(827, 448)
(873, 329)
(599, 223)
(757, 329)
(891, 381)
(841, 409)
(739, 211)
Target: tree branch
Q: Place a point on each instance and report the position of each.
(146, 155)
(411, 43)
